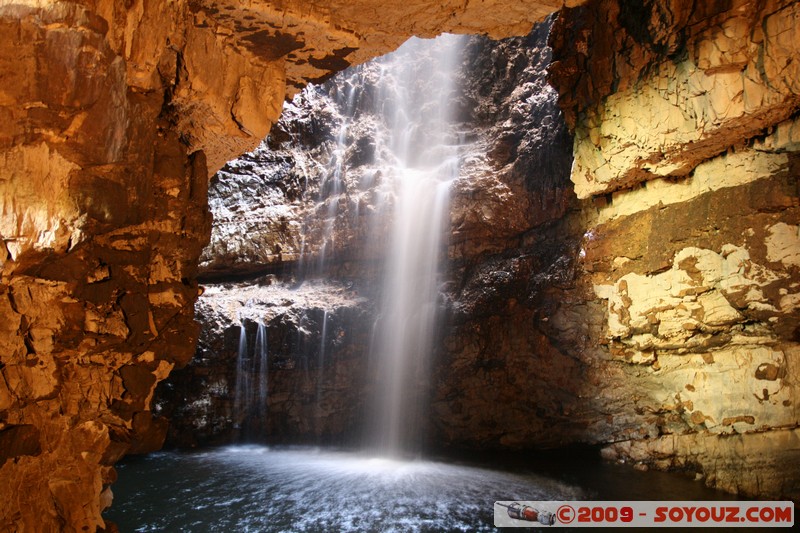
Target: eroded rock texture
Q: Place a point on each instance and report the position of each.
(328, 177)
(104, 214)
(511, 245)
(684, 142)
(655, 89)
(316, 336)
(113, 116)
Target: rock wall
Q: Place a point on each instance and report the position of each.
(114, 114)
(104, 214)
(674, 84)
(317, 336)
(311, 209)
(656, 316)
(515, 232)
(685, 152)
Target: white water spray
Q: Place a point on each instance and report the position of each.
(241, 392)
(262, 375)
(420, 150)
(251, 393)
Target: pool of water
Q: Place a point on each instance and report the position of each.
(261, 489)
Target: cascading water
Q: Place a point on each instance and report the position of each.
(251, 392)
(321, 358)
(261, 350)
(241, 394)
(332, 184)
(406, 104)
(420, 151)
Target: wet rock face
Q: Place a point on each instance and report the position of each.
(523, 181)
(258, 207)
(507, 243)
(510, 242)
(289, 206)
(328, 134)
(314, 191)
(316, 336)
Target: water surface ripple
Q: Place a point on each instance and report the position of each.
(258, 489)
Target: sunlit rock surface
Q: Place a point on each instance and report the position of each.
(685, 148)
(654, 89)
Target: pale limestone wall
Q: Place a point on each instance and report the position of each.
(768, 458)
(686, 151)
(730, 78)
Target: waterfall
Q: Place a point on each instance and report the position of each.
(263, 374)
(321, 358)
(420, 149)
(402, 176)
(251, 391)
(241, 393)
(333, 185)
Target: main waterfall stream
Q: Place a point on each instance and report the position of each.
(387, 486)
(423, 152)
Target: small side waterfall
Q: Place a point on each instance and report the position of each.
(251, 392)
(241, 393)
(333, 184)
(262, 374)
(321, 358)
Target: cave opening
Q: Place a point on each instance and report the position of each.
(392, 213)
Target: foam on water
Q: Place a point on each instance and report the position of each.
(255, 488)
